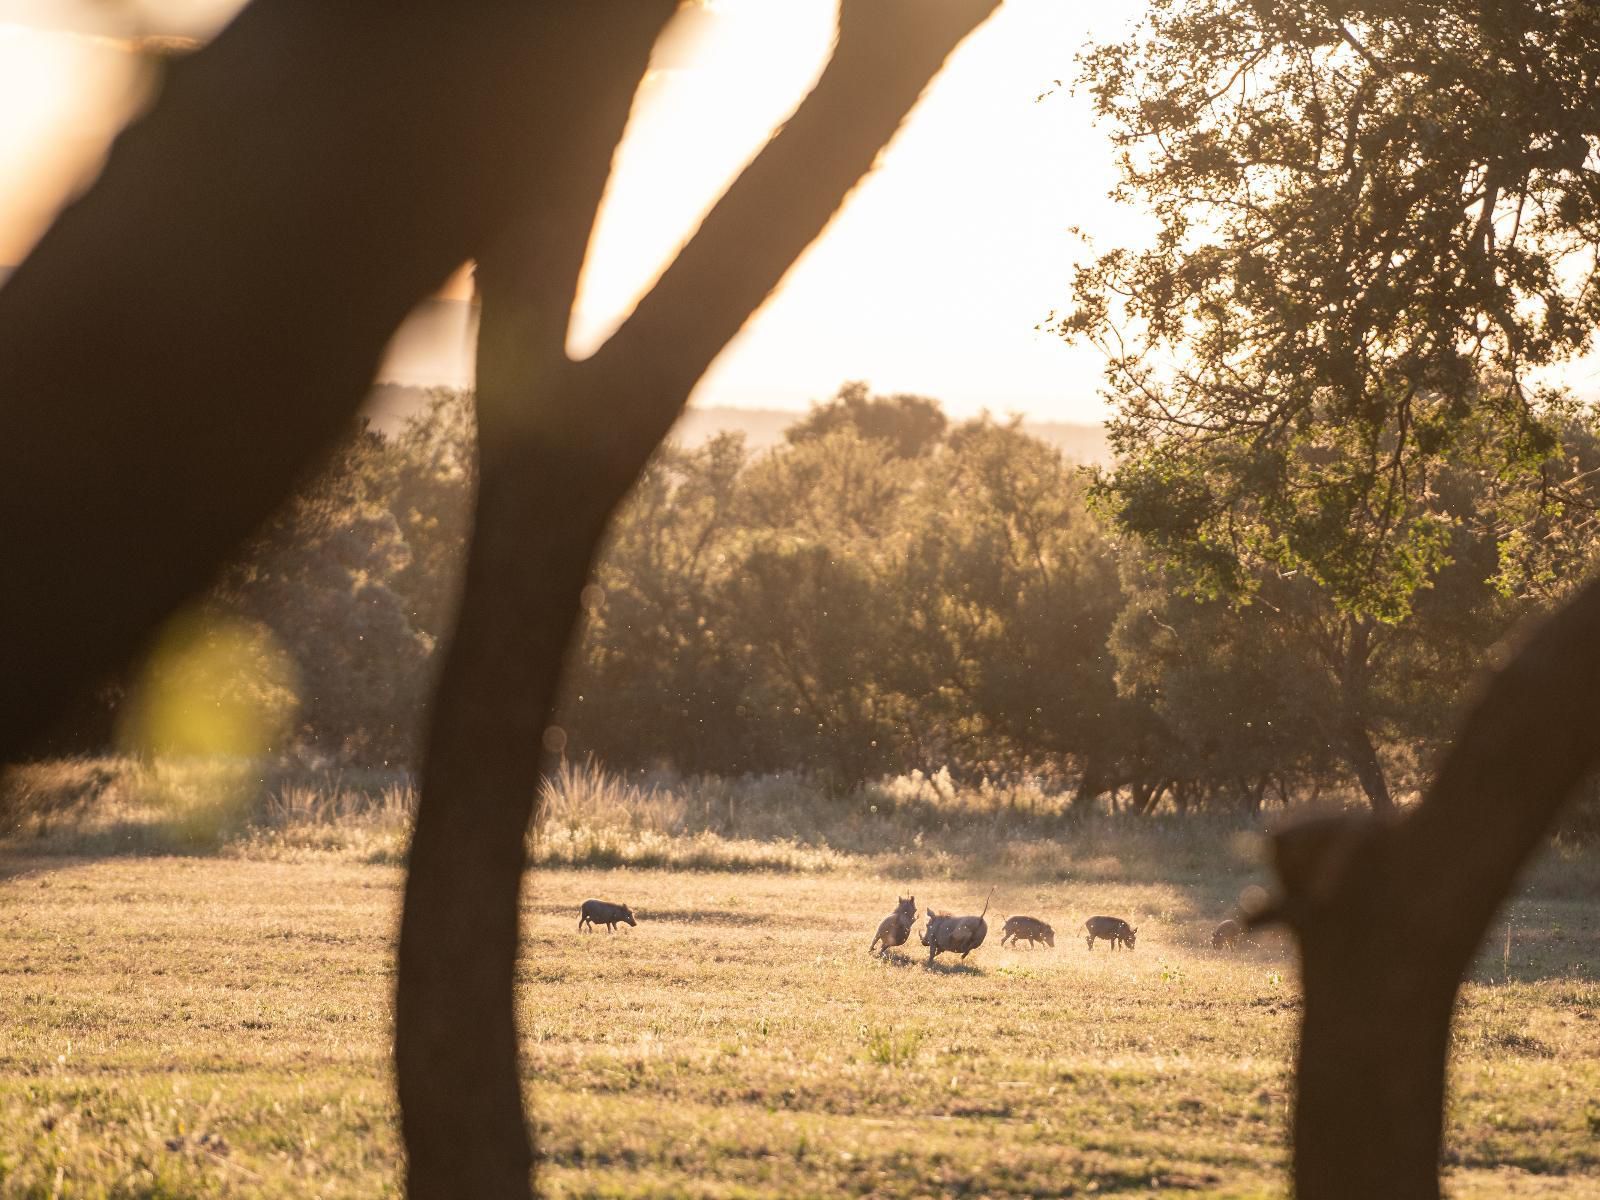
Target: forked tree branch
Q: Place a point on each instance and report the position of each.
(455, 1030)
(561, 443)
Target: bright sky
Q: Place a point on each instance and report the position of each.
(931, 280)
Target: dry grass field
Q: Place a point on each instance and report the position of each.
(216, 1023)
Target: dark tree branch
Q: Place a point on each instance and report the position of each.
(455, 1027)
(1372, 1057)
(561, 443)
(188, 335)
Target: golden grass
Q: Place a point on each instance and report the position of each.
(200, 1026)
(914, 827)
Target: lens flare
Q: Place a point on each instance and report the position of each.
(212, 687)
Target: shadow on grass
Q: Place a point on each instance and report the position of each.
(114, 839)
(17, 867)
(953, 968)
(713, 916)
(675, 916)
(897, 960)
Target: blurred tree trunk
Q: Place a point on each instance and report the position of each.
(561, 443)
(1390, 912)
(540, 509)
(189, 335)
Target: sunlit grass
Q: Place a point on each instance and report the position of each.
(217, 1023)
(205, 1026)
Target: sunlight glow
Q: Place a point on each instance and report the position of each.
(62, 96)
(686, 141)
(212, 686)
(942, 265)
(934, 278)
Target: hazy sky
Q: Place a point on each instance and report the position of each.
(931, 280)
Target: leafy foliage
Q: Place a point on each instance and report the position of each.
(1374, 225)
(843, 608)
(912, 425)
(1374, 232)
(846, 609)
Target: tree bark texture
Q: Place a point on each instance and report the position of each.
(561, 443)
(1390, 912)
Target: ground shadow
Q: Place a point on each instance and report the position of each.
(953, 968)
(674, 916)
(714, 916)
(19, 867)
(898, 960)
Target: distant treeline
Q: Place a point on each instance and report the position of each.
(884, 591)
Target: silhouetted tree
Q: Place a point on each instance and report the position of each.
(552, 470)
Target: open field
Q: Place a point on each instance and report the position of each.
(188, 1026)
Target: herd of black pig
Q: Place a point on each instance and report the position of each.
(945, 932)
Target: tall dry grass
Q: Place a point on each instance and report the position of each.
(912, 827)
(201, 805)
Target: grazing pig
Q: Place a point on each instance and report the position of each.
(1112, 929)
(958, 935)
(894, 929)
(598, 912)
(1226, 936)
(1032, 928)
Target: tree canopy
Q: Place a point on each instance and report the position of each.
(1375, 232)
(1375, 225)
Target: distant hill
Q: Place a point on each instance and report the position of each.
(1085, 444)
(763, 428)
(433, 345)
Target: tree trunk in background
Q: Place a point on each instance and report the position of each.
(1355, 733)
(1089, 786)
(1363, 760)
(1371, 1063)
